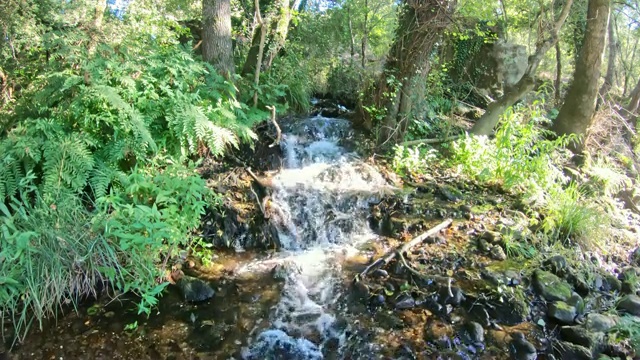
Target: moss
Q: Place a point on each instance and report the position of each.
(551, 287)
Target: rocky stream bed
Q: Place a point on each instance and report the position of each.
(294, 282)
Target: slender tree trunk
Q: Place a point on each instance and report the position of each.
(217, 47)
(486, 123)
(611, 61)
(263, 35)
(365, 34)
(627, 67)
(351, 35)
(281, 29)
(420, 25)
(634, 99)
(558, 81)
(580, 103)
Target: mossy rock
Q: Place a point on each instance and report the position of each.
(551, 287)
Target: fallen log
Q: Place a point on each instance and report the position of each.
(390, 255)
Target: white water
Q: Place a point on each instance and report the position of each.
(323, 196)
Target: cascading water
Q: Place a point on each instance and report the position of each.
(321, 199)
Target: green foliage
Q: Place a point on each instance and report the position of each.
(522, 159)
(627, 331)
(412, 160)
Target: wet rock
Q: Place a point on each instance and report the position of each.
(473, 333)
(609, 282)
(284, 270)
(405, 302)
(576, 301)
(551, 287)
(599, 322)
(521, 349)
(582, 336)
(483, 245)
(567, 350)
(360, 290)
(635, 257)
(276, 344)
(630, 304)
(450, 193)
(581, 286)
(557, 264)
(491, 236)
(630, 277)
(497, 253)
(378, 300)
(379, 273)
(562, 312)
(194, 289)
(451, 295)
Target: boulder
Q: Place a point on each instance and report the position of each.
(562, 312)
(551, 287)
(567, 350)
(599, 322)
(496, 253)
(581, 336)
(473, 333)
(630, 304)
(521, 349)
(194, 289)
(557, 264)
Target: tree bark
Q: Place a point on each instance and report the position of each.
(611, 60)
(580, 103)
(491, 117)
(634, 99)
(263, 35)
(217, 47)
(404, 77)
(365, 34)
(280, 31)
(558, 81)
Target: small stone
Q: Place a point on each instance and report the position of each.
(360, 290)
(496, 253)
(557, 264)
(405, 302)
(474, 332)
(521, 349)
(379, 273)
(567, 350)
(378, 300)
(551, 287)
(491, 236)
(483, 245)
(454, 298)
(599, 322)
(581, 336)
(194, 289)
(562, 312)
(630, 304)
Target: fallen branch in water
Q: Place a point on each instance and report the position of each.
(264, 182)
(390, 255)
(431, 141)
(275, 123)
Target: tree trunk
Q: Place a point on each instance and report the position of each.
(491, 117)
(404, 78)
(217, 47)
(611, 61)
(634, 99)
(263, 35)
(365, 34)
(558, 81)
(280, 31)
(580, 103)
(351, 35)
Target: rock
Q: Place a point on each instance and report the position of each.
(579, 284)
(491, 236)
(496, 253)
(630, 304)
(557, 264)
(450, 193)
(635, 257)
(194, 289)
(360, 290)
(474, 333)
(551, 287)
(284, 270)
(405, 302)
(379, 273)
(629, 287)
(567, 350)
(582, 336)
(521, 349)
(562, 312)
(454, 298)
(378, 300)
(276, 344)
(610, 283)
(630, 277)
(483, 245)
(576, 301)
(599, 322)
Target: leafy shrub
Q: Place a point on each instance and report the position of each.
(345, 82)
(412, 160)
(57, 252)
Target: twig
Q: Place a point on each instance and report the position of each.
(260, 204)
(390, 255)
(262, 182)
(431, 141)
(275, 123)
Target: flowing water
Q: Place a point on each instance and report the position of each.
(320, 201)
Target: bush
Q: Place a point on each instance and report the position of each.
(412, 160)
